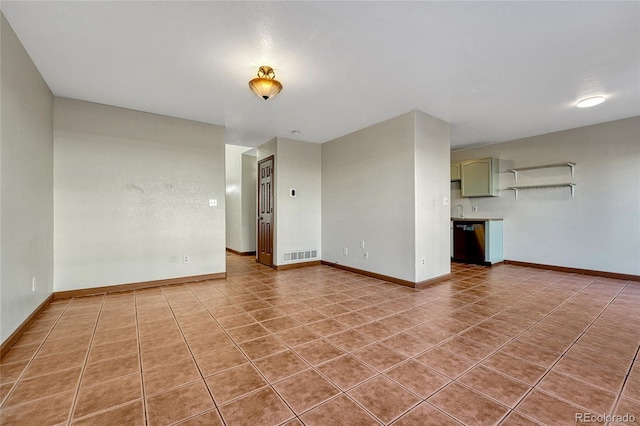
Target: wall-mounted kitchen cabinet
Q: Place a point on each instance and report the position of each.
(455, 171)
(479, 178)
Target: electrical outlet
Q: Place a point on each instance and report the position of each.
(213, 202)
(33, 284)
(345, 251)
(424, 261)
(366, 254)
(186, 259)
(474, 208)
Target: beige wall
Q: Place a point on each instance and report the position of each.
(249, 198)
(370, 185)
(298, 218)
(132, 194)
(26, 174)
(431, 188)
(600, 228)
(238, 198)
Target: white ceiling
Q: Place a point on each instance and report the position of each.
(495, 70)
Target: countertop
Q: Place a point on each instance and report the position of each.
(474, 219)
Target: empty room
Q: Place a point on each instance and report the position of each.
(319, 213)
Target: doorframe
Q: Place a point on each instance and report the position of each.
(273, 213)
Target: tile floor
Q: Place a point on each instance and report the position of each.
(320, 346)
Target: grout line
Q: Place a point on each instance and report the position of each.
(144, 395)
(32, 358)
(567, 350)
(86, 358)
(330, 286)
(616, 402)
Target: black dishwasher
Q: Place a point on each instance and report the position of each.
(469, 241)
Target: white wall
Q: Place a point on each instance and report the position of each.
(368, 194)
(26, 193)
(600, 228)
(431, 188)
(298, 218)
(249, 197)
(235, 173)
(132, 194)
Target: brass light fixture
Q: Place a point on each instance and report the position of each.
(265, 85)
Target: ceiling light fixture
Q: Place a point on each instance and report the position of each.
(589, 102)
(265, 85)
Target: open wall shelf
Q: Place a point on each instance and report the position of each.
(553, 185)
(545, 166)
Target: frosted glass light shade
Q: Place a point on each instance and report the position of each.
(265, 85)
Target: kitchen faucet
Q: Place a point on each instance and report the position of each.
(460, 209)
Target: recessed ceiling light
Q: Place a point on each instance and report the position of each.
(295, 132)
(589, 102)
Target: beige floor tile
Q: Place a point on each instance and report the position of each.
(179, 404)
(609, 380)
(209, 418)
(340, 411)
(129, 414)
(168, 376)
(426, 414)
(318, 351)
(263, 407)
(548, 410)
(346, 371)
(46, 411)
(311, 332)
(104, 395)
(445, 362)
(305, 390)
(488, 382)
(155, 357)
(467, 406)
(577, 392)
(384, 398)
(42, 386)
(215, 361)
(281, 365)
(234, 382)
(111, 368)
(417, 378)
(262, 347)
(297, 336)
(378, 356)
(11, 371)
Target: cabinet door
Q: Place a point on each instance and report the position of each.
(479, 177)
(455, 171)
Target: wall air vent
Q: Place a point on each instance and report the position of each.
(293, 256)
